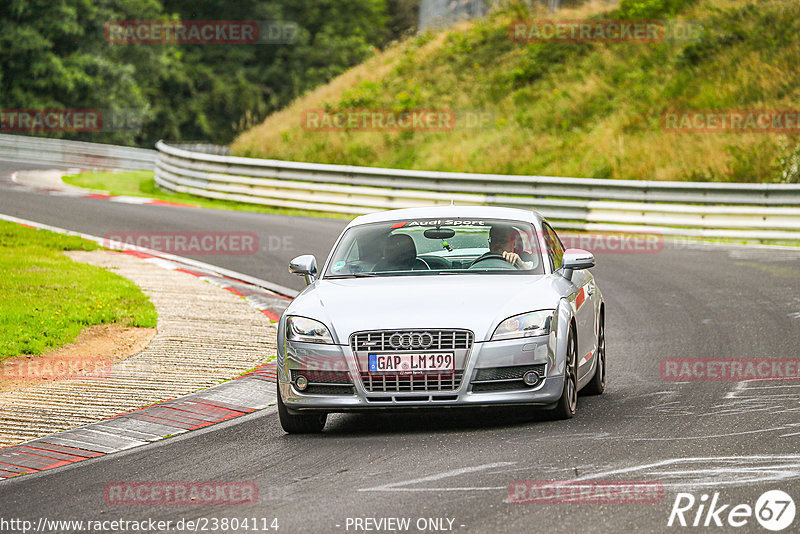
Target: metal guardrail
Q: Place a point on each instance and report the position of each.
(74, 153)
(747, 211)
(205, 148)
(727, 210)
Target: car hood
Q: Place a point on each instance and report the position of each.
(474, 302)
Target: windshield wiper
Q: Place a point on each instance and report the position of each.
(368, 274)
(352, 275)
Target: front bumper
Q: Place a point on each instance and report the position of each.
(483, 355)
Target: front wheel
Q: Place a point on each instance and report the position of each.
(300, 424)
(598, 384)
(568, 403)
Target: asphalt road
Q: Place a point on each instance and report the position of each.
(698, 301)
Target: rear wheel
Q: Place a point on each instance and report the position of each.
(598, 384)
(567, 404)
(300, 424)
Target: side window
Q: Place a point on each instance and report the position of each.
(554, 247)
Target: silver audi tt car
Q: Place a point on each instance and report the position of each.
(441, 307)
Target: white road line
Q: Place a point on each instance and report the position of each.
(793, 385)
(396, 486)
(769, 398)
(673, 472)
(732, 465)
(712, 436)
(468, 488)
(732, 394)
(122, 199)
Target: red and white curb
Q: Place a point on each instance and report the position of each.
(122, 199)
(267, 302)
(77, 192)
(251, 392)
(247, 394)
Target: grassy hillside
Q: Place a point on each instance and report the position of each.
(569, 109)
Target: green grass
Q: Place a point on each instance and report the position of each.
(46, 299)
(569, 109)
(133, 183)
(142, 184)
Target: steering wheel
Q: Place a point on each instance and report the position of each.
(425, 263)
(496, 258)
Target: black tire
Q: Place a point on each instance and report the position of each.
(568, 403)
(300, 424)
(598, 383)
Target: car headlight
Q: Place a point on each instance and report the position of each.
(307, 330)
(525, 325)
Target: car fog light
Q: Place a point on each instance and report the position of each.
(301, 382)
(531, 378)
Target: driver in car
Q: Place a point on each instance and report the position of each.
(505, 241)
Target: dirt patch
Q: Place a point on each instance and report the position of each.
(89, 356)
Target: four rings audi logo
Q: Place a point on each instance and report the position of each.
(411, 340)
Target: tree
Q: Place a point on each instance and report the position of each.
(53, 54)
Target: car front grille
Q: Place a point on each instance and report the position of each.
(330, 390)
(410, 340)
(323, 377)
(325, 382)
(504, 378)
(417, 341)
(385, 383)
(507, 373)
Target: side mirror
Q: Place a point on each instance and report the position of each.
(305, 265)
(576, 259)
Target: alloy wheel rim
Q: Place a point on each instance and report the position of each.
(572, 387)
(602, 360)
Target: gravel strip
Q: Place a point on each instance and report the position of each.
(205, 335)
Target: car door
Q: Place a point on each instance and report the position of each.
(582, 297)
(585, 305)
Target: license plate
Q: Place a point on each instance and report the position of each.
(412, 363)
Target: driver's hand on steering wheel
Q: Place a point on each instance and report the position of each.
(513, 259)
(516, 261)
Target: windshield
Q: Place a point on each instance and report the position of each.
(437, 247)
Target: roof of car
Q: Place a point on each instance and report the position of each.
(459, 212)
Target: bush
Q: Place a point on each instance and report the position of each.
(649, 9)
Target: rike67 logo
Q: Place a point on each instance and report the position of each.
(774, 510)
